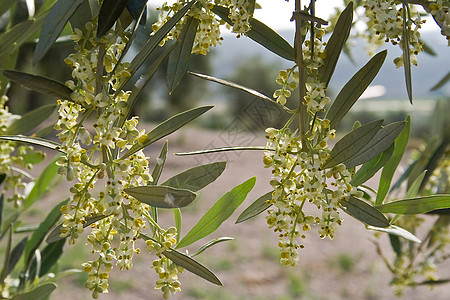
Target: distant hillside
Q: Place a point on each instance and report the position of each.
(430, 70)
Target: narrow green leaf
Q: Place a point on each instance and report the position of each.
(34, 157)
(234, 85)
(403, 177)
(217, 214)
(414, 188)
(210, 244)
(223, 149)
(14, 256)
(371, 167)
(364, 212)
(352, 143)
(159, 165)
(262, 34)
(39, 293)
(405, 48)
(53, 25)
(336, 43)
(7, 224)
(151, 44)
(396, 244)
(167, 127)
(7, 252)
(179, 57)
(81, 16)
(39, 84)
(32, 140)
(4, 6)
(255, 208)
(391, 166)
(2, 199)
(55, 235)
(177, 218)
(49, 257)
(192, 266)
(196, 178)
(39, 234)
(141, 83)
(441, 82)
(162, 196)
(432, 282)
(417, 205)
(397, 231)
(435, 160)
(30, 120)
(380, 142)
(354, 88)
(110, 11)
(42, 183)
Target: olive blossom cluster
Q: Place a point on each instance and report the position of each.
(12, 160)
(385, 24)
(91, 158)
(208, 30)
(441, 14)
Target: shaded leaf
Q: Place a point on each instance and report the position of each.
(354, 88)
(5, 5)
(196, 178)
(255, 208)
(81, 16)
(135, 8)
(34, 157)
(217, 214)
(159, 165)
(414, 188)
(30, 120)
(55, 235)
(110, 11)
(397, 231)
(441, 82)
(391, 166)
(223, 149)
(49, 257)
(336, 43)
(380, 142)
(162, 196)
(192, 266)
(39, 234)
(32, 140)
(2, 199)
(54, 23)
(179, 57)
(39, 84)
(42, 183)
(14, 257)
(396, 245)
(364, 212)
(167, 127)
(39, 293)
(262, 34)
(234, 85)
(417, 205)
(371, 167)
(352, 143)
(151, 44)
(405, 48)
(210, 244)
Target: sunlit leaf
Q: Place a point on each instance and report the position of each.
(233, 85)
(405, 48)
(262, 34)
(397, 231)
(53, 25)
(217, 214)
(55, 235)
(179, 57)
(40, 293)
(110, 11)
(371, 167)
(380, 142)
(192, 266)
(177, 219)
(391, 166)
(167, 127)
(39, 84)
(39, 234)
(354, 88)
(336, 43)
(364, 212)
(414, 188)
(30, 120)
(34, 157)
(255, 208)
(32, 140)
(352, 143)
(196, 178)
(162, 196)
(210, 244)
(418, 205)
